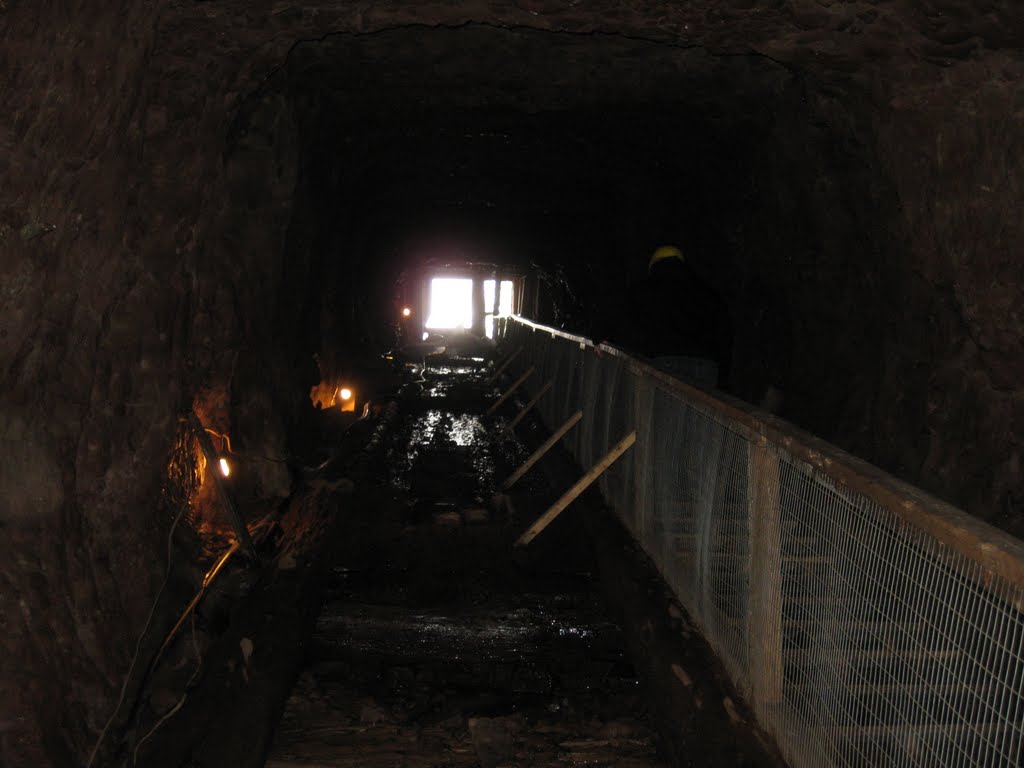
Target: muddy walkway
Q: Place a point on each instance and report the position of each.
(439, 645)
(436, 649)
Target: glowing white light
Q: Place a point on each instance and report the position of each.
(225, 468)
(451, 303)
(489, 326)
(406, 312)
(425, 335)
(345, 393)
(488, 295)
(505, 299)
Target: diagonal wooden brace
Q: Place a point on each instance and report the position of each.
(509, 391)
(537, 455)
(582, 484)
(501, 368)
(529, 406)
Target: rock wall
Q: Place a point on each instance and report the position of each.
(87, 413)
(149, 253)
(881, 290)
(140, 269)
(950, 391)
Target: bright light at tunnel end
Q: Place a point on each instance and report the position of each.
(451, 303)
(345, 393)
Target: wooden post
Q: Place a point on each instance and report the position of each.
(501, 368)
(539, 453)
(765, 632)
(582, 484)
(529, 406)
(212, 460)
(509, 391)
(478, 309)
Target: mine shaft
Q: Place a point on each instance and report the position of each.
(511, 383)
(441, 644)
(513, 545)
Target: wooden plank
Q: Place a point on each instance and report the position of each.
(765, 635)
(529, 406)
(509, 391)
(582, 484)
(212, 460)
(537, 455)
(501, 368)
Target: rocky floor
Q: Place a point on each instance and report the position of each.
(535, 680)
(441, 645)
(435, 647)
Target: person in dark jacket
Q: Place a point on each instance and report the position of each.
(678, 320)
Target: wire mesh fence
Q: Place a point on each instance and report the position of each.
(866, 623)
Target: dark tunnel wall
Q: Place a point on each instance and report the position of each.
(849, 175)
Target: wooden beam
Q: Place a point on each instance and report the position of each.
(212, 461)
(501, 368)
(529, 406)
(765, 598)
(539, 453)
(509, 391)
(582, 484)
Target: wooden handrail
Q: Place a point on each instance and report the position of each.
(995, 551)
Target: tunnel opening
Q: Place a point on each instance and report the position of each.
(332, 174)
(451, 303)
(498, 303)
(227, 236)
(554, 206)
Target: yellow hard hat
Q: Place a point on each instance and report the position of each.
(664, 252)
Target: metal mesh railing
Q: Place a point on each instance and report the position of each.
(865, 622)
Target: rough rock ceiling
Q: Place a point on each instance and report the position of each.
(817, 36)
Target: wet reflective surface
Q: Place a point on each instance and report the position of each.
(435, 647)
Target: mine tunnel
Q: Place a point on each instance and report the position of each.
(291, 292)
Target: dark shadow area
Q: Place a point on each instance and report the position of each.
(208, 207)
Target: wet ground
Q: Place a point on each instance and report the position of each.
(436, 647)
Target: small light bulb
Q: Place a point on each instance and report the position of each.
(225, 468)
(346, 393)
(406, 312)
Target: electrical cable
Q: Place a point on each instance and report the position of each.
(180, 703)
(207, 579)
(155, 728)
(138, 642)
(188, 611)
(228, 449)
